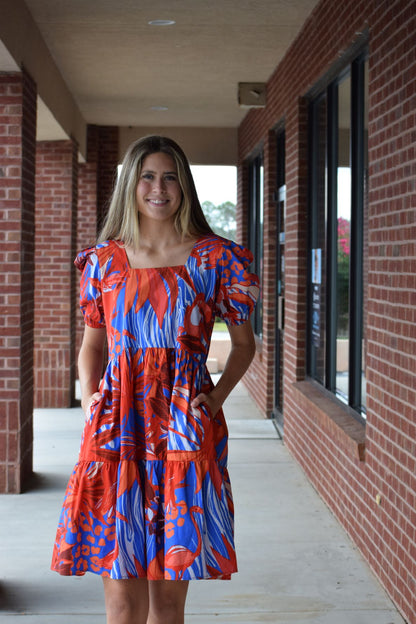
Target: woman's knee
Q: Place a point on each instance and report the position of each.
(119, 609)
(167, 602)
(126, 601)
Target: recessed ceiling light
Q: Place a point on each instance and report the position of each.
(160, 22)
(159, 108)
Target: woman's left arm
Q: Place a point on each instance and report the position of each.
(243, 348)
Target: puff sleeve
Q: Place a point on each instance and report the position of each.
(90, 288)
(238, 289)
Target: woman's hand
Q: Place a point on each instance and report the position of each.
(209, 400)
(242, 352)
(88, 401)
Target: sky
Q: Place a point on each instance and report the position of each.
(216, 184)
(344, 192)
(219, 184)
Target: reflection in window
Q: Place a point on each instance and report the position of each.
(338, 236)
(343, 235)
(317, 331)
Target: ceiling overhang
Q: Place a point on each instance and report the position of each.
(103, 62)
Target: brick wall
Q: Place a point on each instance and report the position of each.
(96, 182)
(103, 148)
(87, 228)
(55, 286)
(391, 426)
(107, 166)
(321, 435)
(87, 205)
(70, 199)
(17, 194)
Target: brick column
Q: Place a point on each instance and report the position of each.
(17, 195)
(55, 289)
(87, 226)
(103, 146)
(95, 186)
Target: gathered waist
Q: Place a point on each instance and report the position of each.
(161, 352)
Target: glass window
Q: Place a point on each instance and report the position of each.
(318, 253)
(343, 210)
(338, 236)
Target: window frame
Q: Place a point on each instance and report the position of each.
(355, 70)
(256, 228)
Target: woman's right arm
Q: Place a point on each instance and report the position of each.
(90, 364)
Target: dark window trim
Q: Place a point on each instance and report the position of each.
(356, 230)
(332, 238)
(312, 224)
(358, 49)
(255, 232)
(355, 70)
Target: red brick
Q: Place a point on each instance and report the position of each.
(17, 160)
(383, 533)
(96, 180)
(55, 308)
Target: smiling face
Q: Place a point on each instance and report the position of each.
(158, 191)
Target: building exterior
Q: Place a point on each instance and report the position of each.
(327, 202)
(336, 358)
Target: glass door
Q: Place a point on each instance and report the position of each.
(280, 280)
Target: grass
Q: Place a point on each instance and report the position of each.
(220, 326)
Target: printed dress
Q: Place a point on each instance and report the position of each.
(150, 495)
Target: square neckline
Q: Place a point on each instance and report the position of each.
(121, 246)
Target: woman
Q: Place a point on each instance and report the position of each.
(149, 504)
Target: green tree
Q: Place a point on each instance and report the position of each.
(221, 218)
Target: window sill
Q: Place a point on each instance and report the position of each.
(333, 417)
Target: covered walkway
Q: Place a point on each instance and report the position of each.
(296, 563)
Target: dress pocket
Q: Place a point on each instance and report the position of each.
(207, 410)
(92, 408)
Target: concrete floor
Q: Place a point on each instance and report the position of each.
(296, 563)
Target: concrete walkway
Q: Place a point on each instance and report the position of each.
(296, 563)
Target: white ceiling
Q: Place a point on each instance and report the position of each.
(118, 67)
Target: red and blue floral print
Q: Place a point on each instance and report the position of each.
(150, 495)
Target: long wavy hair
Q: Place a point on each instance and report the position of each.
(122, 221)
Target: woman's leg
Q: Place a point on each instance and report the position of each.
(167, 602)
(126, 600)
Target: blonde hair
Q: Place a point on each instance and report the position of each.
(122, 222)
